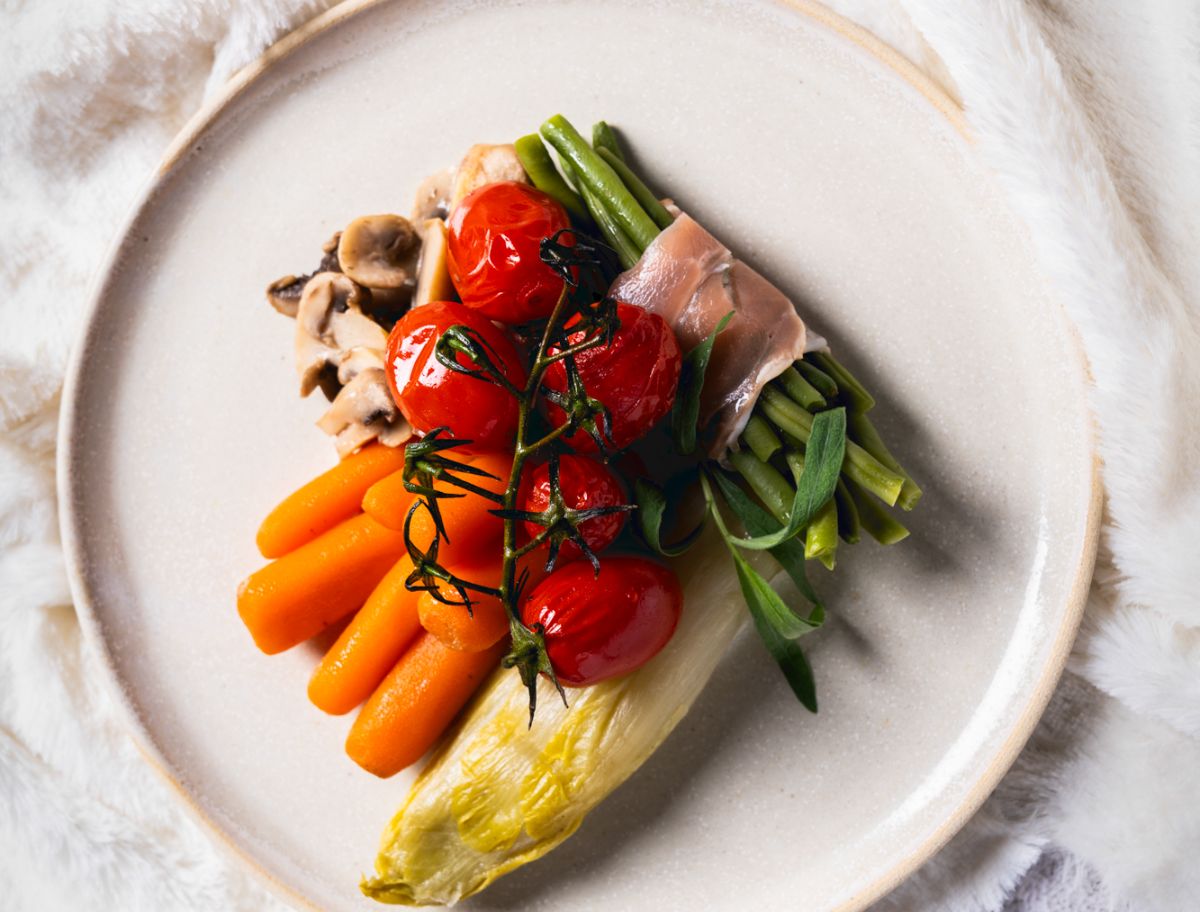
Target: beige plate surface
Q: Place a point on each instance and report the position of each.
(818, 157)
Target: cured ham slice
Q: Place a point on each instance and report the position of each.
(692, 281)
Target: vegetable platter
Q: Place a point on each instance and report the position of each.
(927, 659)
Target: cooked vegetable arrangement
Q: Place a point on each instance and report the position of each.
(572, 426)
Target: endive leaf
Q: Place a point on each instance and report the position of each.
(499, 794)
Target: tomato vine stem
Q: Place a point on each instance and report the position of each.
(582, 319)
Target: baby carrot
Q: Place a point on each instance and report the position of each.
(369, 647)
(388, 501)
(416, 703)
(487, 622)
(328, 499)
(454, 627)
(470, 525)
(296, 597)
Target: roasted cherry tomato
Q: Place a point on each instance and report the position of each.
(598, 627)
(635, 377)
(495, 251)
(585, 484)
(431, 395)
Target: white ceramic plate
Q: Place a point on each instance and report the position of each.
(813, 152)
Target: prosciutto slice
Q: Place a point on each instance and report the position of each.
(692, 281)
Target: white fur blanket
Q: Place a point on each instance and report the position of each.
(1089, 112)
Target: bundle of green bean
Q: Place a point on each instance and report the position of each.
(602, 192)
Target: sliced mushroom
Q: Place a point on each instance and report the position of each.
(486, 164)
(331, 326)
(433, 274)
(378, 251)
(284, 294)
(364, 411)
(433, 196)
(357, 360)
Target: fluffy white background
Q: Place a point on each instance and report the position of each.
(1089, 112)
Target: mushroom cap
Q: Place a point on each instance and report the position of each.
(364, 410)
(332, 331)
(378, 250)
(433, 196)
(355, 361)
(284, 294)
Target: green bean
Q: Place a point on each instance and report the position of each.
(760, 438)
(863, 432)
(626, 252)
(794, 445)
(795, 461)
(799, 390)
(786, 414)
(598, 176)
(847, 513)
(541, 170)
(882, 526)
(824, 383)
(858, 464)
(861, 466)
(848, 523)
(821, 536)
(846, 516)
(603, 137)
(643, 194)
(775, 491)
(856, 395)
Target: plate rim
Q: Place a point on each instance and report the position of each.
(66, 457)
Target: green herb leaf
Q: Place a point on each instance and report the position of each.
(651, 505)
(779, 628)
(815, 484)
(793, 664)
(790, 554)
(765, 601)
(777, 625)
(685, 413)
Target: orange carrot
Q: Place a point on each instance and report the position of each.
(302, 593)
(388, 501)
(471, 528)
(416, 703)
(327, 500)
(487, 623)
(369, 647)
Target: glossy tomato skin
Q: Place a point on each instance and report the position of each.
(431, 395)
(494, 251)
(635, 376)
(599, 627)
(585, 484)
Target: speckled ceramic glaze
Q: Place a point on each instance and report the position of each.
(814, 154)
